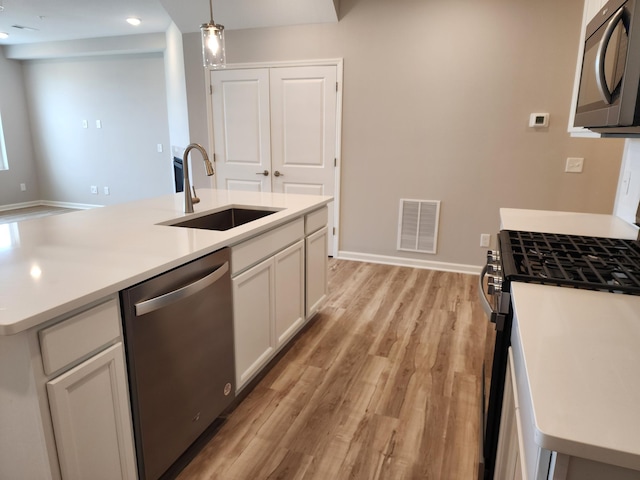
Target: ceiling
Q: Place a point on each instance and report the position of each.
(55, 20)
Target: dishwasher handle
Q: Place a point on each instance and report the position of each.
(161, 301)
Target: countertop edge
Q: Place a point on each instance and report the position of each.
(243, 233)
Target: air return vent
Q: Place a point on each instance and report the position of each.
(418, 225)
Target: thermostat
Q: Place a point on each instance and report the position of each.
(538, 120)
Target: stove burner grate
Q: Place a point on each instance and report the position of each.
(592, 263)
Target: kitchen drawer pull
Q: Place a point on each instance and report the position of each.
(161, 301)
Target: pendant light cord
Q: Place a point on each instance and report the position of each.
(211, 11)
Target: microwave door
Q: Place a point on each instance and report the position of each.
(602, 66)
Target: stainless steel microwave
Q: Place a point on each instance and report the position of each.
(608, 96)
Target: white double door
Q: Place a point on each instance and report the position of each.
(275, 130)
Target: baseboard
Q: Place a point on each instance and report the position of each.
(78, 206)
(48, 203)
(409, 262)
(14, 206)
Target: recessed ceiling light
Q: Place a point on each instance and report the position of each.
(134, 21)
(4, 35)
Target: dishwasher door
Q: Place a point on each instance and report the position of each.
(179, 343)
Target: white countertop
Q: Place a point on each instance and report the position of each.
(50, 266)
(571, 223)
(581, 352)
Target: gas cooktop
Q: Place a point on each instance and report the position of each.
(592, 263)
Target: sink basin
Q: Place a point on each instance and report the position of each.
(225, 219)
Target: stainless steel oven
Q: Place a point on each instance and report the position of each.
(593, 263)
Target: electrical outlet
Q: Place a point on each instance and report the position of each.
(94, 189)
(485, 239)
(85, 124)
(574, 165)
(159, 147)
(23, 187)
(106, 191)
(98, 124)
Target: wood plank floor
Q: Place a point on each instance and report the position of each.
(384, 384)
(27, 213)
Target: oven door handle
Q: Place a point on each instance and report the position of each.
(484, 300)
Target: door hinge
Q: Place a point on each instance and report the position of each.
(334, 230)
(335, 162)
(214, 157)
(336, 86)
(210, 89)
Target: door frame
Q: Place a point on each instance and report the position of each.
(338, 63)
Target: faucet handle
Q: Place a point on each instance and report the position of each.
(194, 198)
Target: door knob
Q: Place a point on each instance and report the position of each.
(278, 174)
(265, 173)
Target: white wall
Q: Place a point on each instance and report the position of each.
(176, 89)
(17, 132)
(127, 94)
(437, 97)
(628, 195)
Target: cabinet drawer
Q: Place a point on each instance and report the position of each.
(252, 251)
(80, 335)
(315, 220)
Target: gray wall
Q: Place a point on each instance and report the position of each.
(437, 97)
(127, 93)
(17, 132)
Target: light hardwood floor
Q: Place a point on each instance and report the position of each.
(384, 384)
(27, 213)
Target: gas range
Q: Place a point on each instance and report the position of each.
(593, 263)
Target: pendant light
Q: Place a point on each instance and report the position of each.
(213, 55)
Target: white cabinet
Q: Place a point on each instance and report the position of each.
(289, 292)
(267, 274)
(279, 281)
(316, 270)
(64, 401)
(268, 305)
(591, 8)
(90, 413)
(508, 457)
(89, 402)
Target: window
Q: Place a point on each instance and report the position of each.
(3, 151)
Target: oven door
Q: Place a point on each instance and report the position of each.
(497, 306)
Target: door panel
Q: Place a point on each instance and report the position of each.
(241, 129)
(303, 125)
(281, 120)
(244, 185)
(301, 188)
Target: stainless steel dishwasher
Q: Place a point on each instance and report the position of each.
(179, 343)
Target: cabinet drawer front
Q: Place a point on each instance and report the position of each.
(252, 251)
(80, 335)
(314, 221)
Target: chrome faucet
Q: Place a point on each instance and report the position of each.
(188, 200)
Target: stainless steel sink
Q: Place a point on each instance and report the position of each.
(225, 219)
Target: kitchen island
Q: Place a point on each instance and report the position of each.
(64, 407)
(576, 366)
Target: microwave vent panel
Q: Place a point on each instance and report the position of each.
(418, 225)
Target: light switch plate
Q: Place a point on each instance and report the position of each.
(574, 165)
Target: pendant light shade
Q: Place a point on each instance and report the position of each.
(213, 55)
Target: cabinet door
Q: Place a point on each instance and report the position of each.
(253, 319)
(290, 315)
(91, 419)
(316, 271)
(508, 464)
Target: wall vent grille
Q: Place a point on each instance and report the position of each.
(418, 225)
